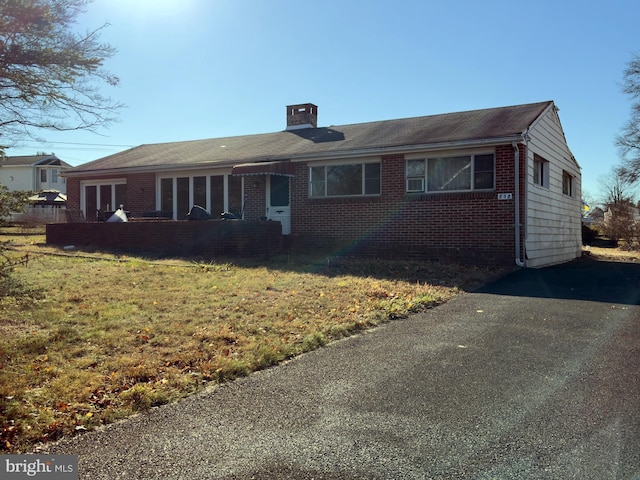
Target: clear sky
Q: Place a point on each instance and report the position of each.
(194, 69)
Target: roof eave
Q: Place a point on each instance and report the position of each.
(390, 150)
(362, 152)
(145, 169)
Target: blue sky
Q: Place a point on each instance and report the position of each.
(193, 69)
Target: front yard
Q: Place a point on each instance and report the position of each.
(87, 338)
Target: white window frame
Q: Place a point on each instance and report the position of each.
(363, 185)
(567, 184)
(191, 175)
(540, 171)
(98, 183)
(416, 183)
(420, 183)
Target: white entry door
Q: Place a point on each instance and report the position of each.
(279, 201)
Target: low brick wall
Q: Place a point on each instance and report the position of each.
(188, 238)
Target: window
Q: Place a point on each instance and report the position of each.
(216, 183)
(200, 191)
(215, 193)
(166, 194)
(182, 198)
(102, 196)
(459, 173)
(415, 175)
(121, 194)
(567, 183)
(372, 179)
(279, 191)
(453, 173)
(540, 171)
(483, 172)
(345, 180)
(43, 175)
(106, 198)
(54, 175)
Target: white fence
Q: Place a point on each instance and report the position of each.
(40, 215)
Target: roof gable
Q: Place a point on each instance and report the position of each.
(486, 124)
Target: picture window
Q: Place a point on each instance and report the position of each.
(354, 179)
(459, 173)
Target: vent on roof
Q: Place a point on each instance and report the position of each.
(304, 115)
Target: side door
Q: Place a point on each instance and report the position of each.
(279, 201)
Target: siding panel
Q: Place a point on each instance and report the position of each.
(553, 219)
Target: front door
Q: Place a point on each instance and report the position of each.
(279, 201)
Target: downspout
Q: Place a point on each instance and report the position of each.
(519, 261)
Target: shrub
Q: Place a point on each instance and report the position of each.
(589, 234)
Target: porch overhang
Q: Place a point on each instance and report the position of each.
(264, 168)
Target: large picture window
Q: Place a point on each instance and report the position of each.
(459, 173)
(345, 180)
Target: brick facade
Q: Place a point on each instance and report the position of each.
(255, 193)
(141, 192)
(472, 227)
(469, 227)
(73, 194)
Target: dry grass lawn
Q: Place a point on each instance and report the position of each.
(89, 338)
(613, 254)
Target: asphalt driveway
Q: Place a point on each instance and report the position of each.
(535, 377)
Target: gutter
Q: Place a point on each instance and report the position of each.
(338, 154)
(146, 169)
(405, 148)
(516, 158)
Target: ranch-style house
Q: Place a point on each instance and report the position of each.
(491, 186)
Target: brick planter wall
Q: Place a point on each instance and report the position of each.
(189, 238)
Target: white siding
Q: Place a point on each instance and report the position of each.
(50, 184)
(28, 178)
(17, 178)
(553, 219)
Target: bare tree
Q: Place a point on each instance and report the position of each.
(615, 187)
(618, 197)
(628, 142)
(49, 74)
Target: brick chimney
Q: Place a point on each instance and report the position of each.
(304, 115)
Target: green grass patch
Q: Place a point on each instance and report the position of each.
(107, 336)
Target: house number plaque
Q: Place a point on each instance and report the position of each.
(505, 196)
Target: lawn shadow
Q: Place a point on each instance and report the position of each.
(586, 278)
(443, 274)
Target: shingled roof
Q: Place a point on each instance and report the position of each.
(32, 160)
(451, 128)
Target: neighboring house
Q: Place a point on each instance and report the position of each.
(489, 186)
(33, 173)
(632, 211)
(594, 217)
